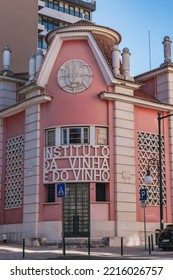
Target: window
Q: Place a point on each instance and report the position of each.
(100, 192)
(101, 136)
(42, 43)
(66, 9)
(56, 5)
(51, 193)
(72, 10)
(50, 137)
(45, 22)
(39, 19)
(87, 17)
(75, 135)
(50, 25)
(61, 6)
(81, 13)
(46, 3)
(51, 4)
(56, 24)
(61, 24)
(76, 11)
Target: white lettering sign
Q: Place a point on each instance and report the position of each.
(76, 163)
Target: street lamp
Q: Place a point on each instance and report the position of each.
(148, 179)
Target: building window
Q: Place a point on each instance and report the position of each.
(50, 137)
(61, 6)
(66, 9)
(75, 135)
(101, 136)
(72, 10)
(50, 25)
(77, 14)
(100, 192)
(81, 13)
(51, 4)
(51, 193)
(56, 5)
(87, 17)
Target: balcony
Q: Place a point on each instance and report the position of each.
(90, 5)
(41, 4)
(41, 27)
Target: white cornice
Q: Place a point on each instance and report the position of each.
(154, 73)
(53, 52)
(95, 29)
(19, 107)
(49, 61)
(12, 79)
(55, 48)
(136, 101)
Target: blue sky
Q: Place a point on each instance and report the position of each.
(135, 20)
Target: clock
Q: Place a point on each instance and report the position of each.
(74, 76)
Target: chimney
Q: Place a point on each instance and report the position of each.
(39, 58)
(32, 65)
(6, 61)
(116, 60)
(167, 50)
(126, 63)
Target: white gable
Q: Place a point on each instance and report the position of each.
(54, 50)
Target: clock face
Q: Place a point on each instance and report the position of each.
(74, 76)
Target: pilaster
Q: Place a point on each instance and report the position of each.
(7, 93)
(31, 172)
(124, 153)
(171, 159)
(1, 158)
(165, 87)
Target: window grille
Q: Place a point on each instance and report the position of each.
(148, 148)
(14, 172)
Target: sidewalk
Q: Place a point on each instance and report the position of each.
(15, 252)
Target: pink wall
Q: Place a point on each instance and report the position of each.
(84, 108)
(146, 120)
(81, 108)
(150, 87)
(13, 126)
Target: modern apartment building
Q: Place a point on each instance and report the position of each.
(24, 25)
(18, 29)
(54, 13)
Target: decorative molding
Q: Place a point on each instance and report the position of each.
(14, 172)
(74, 76)
(19, 107)
(148, 149)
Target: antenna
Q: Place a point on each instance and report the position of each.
(149, 42)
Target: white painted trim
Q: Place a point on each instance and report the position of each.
(153, 73)
(107, 73)
(58, 136)
(92, 135)
(55, 48)
(49, 62)
(136, 101)
(25, 104)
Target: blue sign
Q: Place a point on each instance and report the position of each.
(61, 190)
(143, 194)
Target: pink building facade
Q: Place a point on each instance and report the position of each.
(82, 121)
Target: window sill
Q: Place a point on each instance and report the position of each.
(51, 203)
(98, 202)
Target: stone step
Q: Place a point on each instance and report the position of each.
(79, 243)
